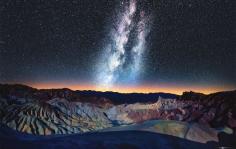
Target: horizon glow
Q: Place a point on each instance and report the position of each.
(145, 88)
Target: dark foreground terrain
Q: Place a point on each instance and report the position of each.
(109, 140)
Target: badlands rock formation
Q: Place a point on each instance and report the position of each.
(63, 111)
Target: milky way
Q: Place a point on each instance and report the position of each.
(122, 61)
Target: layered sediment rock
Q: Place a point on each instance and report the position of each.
(214, 110)
(56, 116)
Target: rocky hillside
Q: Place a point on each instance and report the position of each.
(215, 110)
(63, 111)
(56, 116)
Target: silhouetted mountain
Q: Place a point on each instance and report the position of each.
(23, 91)
(128, 98)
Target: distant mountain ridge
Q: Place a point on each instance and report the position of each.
(114, 97)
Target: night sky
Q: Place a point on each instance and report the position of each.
(181, 42)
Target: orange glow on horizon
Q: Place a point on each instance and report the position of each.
(175, 89)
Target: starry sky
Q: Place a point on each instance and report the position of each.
(185, 44)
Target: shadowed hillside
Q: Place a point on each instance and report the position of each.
(103, 140)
